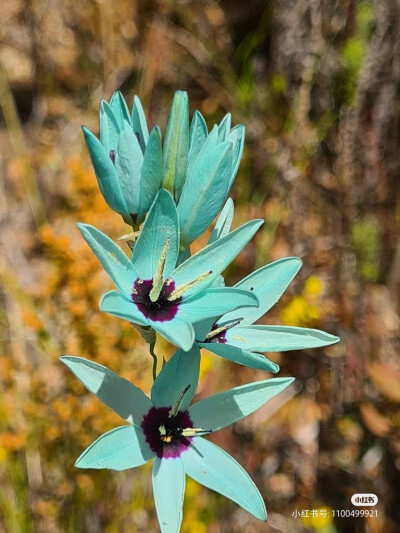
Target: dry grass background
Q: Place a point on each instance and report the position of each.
(317, 84)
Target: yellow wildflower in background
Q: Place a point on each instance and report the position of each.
(304, 309)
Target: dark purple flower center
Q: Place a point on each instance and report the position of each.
(162, 310)
(164, 432)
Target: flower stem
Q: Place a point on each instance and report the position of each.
(153, 355)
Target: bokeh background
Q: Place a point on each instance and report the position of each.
(317, 84)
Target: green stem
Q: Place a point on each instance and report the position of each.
(153, 355)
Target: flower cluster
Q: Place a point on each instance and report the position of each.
(170, 191)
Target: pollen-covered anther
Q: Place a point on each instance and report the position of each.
(214, 332)
(158, 278)
(181, 289)
(195, 432)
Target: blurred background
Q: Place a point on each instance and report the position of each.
(317, 85)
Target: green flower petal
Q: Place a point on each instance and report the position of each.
(169, 482)
(109, 128)
(151, 174)
(121, 448)
(128, 165)
(240, 356)
(262, 338)
(112, 126)
(119, 108)
(224, 222)
(268, 284)
(176, 145)
(205, 189)
(160, 225)
(202, 328)
(223, 409)
(139, 123)
(112, 258)
(127, 400)
(215, 257)
(115, 304)
(176, 331)
(224, 128)
(105, 173)
(237, 138)
(183, 256)
(180, 371)
(218, 283)
(210, 142)
(197, 136)
(211, 466)
(214, 302)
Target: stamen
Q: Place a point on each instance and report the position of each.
(215, 332)
(165, 437)
(179, 291)
(158, 279)
(194, 432)
(173, 411)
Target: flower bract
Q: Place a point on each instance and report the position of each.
(196, 167)
(170, 430)
(127, 159)
(212, 163)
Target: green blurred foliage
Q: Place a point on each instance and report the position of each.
(353, 51)
(365, 242)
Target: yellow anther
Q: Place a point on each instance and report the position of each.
(192, 432)
(215, 332)
(179, 291)
(158, 279)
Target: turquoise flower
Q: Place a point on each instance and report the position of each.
(155, 293)
(127, 160)
(165, 428)
(234, 335)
